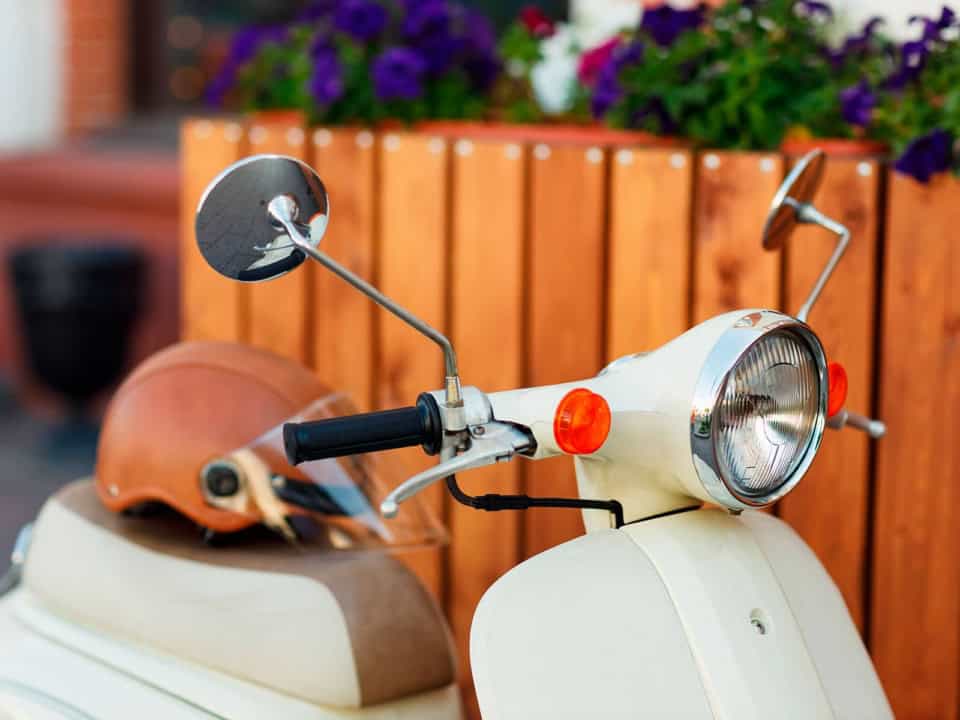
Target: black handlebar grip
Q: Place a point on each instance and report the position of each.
(369, 432)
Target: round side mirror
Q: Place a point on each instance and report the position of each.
(796, 191)
(235, 232)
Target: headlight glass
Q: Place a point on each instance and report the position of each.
(767, 414)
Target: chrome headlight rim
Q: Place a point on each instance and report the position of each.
(736, 342)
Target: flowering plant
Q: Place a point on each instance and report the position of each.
(918, 112)
(549, 65)
(740, 76)
(363, 61)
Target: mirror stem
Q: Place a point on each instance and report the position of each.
(808, 214)
(282, 212)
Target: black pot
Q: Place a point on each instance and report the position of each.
(77, 304)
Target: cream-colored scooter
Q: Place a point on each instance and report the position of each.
(665, 608)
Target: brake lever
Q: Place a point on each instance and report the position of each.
(874, 428)
(490, 443)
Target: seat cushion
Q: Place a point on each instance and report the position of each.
(343, 629)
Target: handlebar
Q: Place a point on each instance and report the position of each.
(365, 433)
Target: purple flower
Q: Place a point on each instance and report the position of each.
(814, 8)
(665, 24)
(243, 48)
(932, 29)
(913, 58)
(927, 155)
(607, 91)
(398, 74)
(478, 33)
(326, 81)
(363, 20)
(426, 18)
(855, 45)
(857, 104)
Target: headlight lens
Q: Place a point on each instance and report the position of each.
(767, 414)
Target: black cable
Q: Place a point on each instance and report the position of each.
(494, 502)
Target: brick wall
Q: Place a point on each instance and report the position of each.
(97, 58)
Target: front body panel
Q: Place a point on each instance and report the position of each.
(694, 615)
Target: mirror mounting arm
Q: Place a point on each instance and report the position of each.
(283, 212)
(808, 214)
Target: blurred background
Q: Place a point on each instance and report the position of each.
(92, 93)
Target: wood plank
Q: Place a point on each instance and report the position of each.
(844, 318)
(916, 576)
(565, 282)
(343, 318)
(651, 196)
(487, 313)
(731, 269)
(280, 309)
(211, 305)
(413, 255)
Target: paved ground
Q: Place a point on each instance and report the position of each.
(36, 458)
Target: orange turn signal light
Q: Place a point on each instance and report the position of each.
(582, 422)
(838, 385)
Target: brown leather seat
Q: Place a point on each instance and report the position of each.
(343, 629)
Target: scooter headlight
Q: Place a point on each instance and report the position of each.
(760, 410)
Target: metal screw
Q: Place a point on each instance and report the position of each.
(711, 162)
(478, 431)
(233, 132)
(513, 151)
(436, 145)
(464, 148)
(595, 155)
(766, 165)
(758, 625)
(365, 139)
(625, 157)
(391, 143)
(678, 160)
(203, 129)
(322, 137)
(541, 152)
(864, 169)
(221, 479)
(258, 134)
(295, 136)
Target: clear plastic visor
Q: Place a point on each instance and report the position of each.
(339, 499)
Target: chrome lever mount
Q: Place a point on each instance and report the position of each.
(488, 444)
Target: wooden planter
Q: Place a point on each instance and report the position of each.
(546, 253)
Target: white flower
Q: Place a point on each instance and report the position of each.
(554, 78)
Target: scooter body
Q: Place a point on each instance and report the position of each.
(697, 614)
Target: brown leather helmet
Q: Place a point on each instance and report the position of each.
(198, 427)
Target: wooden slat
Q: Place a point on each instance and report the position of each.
(342, 317)
(412, 197)
(731, 269)
(565, 286)
(916, 576)
(279, 309)
(487, 270)
(651, 192)
(211, 306)
(829, 508)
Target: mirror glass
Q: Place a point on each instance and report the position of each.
(235, 233)
(799, 187)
